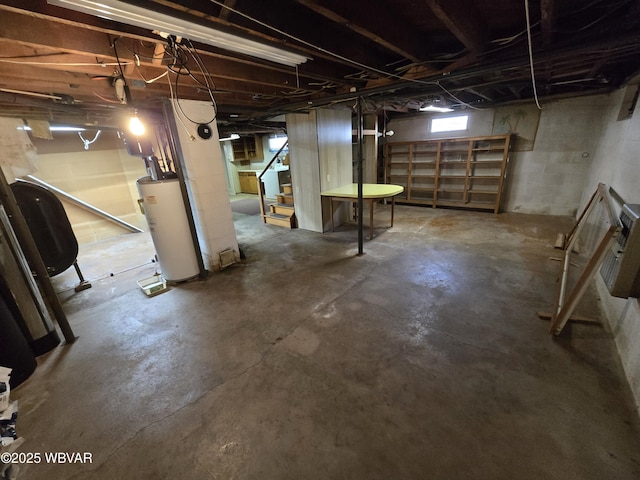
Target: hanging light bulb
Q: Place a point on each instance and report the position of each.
(136, 127)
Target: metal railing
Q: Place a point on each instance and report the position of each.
(84, 205)
(261, 185)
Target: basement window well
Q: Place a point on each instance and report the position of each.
(449, 124)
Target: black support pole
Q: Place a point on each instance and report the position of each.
(360, 161)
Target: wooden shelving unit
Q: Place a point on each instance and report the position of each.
(454, 172)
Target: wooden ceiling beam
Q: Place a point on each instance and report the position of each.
(547, 20)
(352, 24)
(82, 86)
(38, 26)
(225, 12)
(42, 32)
(39, 36)
(463, 20)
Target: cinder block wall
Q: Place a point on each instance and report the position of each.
(550, 178)
(616, 163)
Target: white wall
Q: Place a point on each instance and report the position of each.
(231, 169)
(305, 169)
(320, 156)
(206, 181)
(616, 163)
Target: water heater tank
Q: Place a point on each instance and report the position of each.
(162, 204)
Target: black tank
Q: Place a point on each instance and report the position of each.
(49, 225)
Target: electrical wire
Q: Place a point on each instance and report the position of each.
(608, 13)
(173, 102)
(180, 67)
(181, 54)
(340, 57)
(127, 94)
(166, 72)
(206, 75)
(105, 99)
(89, 142)
(146, 57)
(309, 44)
(533, 75)
(71, 64)
(456, 98)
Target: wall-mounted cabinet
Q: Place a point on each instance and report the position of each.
(456, 172)
(247, 148)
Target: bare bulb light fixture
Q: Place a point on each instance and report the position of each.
(136, 127)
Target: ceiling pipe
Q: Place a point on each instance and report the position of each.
(429, 83)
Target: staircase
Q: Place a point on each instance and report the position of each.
(282, 213)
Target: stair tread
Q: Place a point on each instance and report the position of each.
(282, 205)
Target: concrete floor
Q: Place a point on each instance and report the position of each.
(422, 359)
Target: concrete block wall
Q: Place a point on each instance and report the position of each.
(616, 163)
(550, 178)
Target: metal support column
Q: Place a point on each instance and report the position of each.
(360, 175)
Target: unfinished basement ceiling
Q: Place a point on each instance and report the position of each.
(68, 67)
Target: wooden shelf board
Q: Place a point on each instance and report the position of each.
(483, 192)
(484, 155)
(418, 201)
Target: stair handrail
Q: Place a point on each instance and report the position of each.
(261, 185)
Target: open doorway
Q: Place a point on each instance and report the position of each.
(92, 172)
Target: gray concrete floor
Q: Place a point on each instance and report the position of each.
(422, 359)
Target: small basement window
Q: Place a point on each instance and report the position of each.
(276, 142)
(449, 124)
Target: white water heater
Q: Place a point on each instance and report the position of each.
(162, 204)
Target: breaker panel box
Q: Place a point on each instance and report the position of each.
(621, 266)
